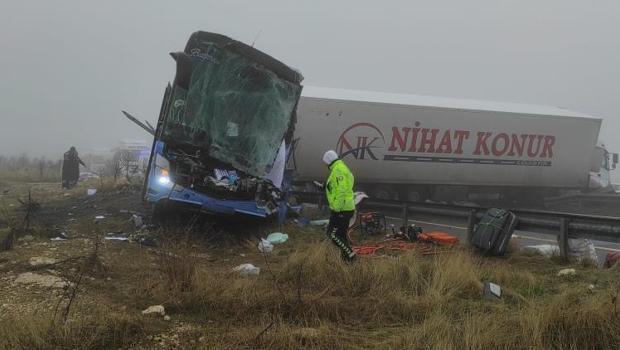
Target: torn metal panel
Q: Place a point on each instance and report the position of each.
(147, 127)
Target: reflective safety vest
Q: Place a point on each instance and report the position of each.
(339, 187)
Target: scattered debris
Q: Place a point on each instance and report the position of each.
(41, 260)
(91, 191)
(591, 288)
(99, 217)
(264, 246)
(137, 220)
(167, 318)
(155, 309)
(116, 238)
(582, 249)
(144, 239)
(567, 272)
(323, 222)
(61, 237)
(247, 270)
(277, 237)
(46, 281)
(547, 250)
(492, 291)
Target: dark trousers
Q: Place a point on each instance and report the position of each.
(337, 232)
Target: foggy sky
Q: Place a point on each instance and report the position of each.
(69, 67)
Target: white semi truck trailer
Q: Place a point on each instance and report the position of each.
(418, 147)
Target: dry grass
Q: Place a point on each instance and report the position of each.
(402, 302)
(311, 299)
(95, 329)
(306, 297)
(29, 175)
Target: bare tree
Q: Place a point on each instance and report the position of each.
(42, 165)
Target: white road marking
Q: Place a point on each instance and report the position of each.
(517, 236)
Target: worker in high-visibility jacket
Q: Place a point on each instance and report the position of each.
(339, 192)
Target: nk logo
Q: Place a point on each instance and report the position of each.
(361, 141)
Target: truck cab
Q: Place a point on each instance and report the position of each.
(603, 162)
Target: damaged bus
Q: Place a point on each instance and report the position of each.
(224, 130)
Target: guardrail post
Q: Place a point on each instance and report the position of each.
(471, 222)
(563, 239)
(405, 216)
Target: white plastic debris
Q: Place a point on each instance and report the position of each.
(582, 249)
(99, 217)
(319, 222)
(116, 238)
(264, 246)
(567, 272)
(277, 237)
(492, 291)
(61, 237)
(547, 250)
(247, 270)
(358, 197)
(91, 191)
(155, 309)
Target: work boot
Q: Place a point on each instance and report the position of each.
(350, 257)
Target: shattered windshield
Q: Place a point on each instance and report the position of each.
(234, 108)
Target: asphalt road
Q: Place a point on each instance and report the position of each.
(458, 227)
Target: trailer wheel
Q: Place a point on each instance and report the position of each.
(415, 194)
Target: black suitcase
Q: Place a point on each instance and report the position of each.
(493, 232)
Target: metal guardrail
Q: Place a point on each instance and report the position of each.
(594, 198)
(564, 225)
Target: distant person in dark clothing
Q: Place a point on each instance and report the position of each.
(71, 168)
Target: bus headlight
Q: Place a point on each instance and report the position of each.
(162, 171)
(164, 178)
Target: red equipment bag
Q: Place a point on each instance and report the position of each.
(612, 259)
(441, 238)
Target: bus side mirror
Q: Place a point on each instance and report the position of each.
(615, 160)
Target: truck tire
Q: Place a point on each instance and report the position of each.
(383, 192)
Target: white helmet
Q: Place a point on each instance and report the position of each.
(330, 156)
